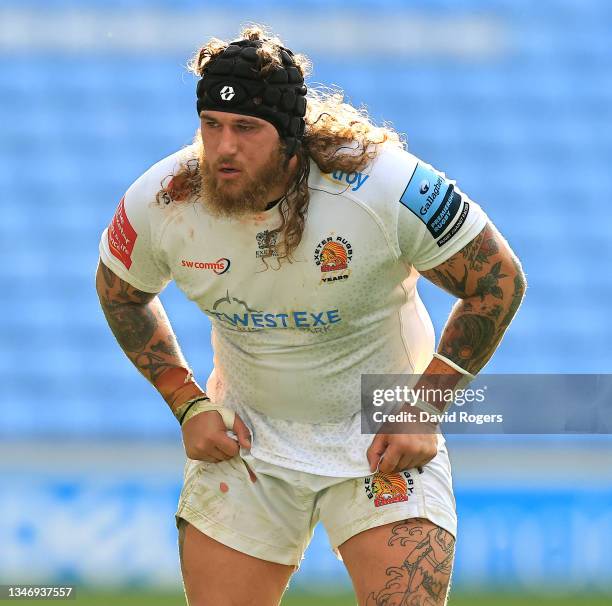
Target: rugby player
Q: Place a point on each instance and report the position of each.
(300, 229)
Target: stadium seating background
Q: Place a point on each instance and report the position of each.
(525, 130)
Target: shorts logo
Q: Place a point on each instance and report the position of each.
(333, 256)
(121, 236)
(432, 199)
(266, 243)
(220, 266)
(387, 488)
(227, 93)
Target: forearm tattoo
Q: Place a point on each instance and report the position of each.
(424, 576)
(490, 282)
(140, 325)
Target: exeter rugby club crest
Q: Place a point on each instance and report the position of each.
(266, 244)
(332, 256)
(386, 488)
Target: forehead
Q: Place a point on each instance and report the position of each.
(229, 118)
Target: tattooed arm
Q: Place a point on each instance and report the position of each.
(142, 329)
(487, 278)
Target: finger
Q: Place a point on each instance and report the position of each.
(376, 450)
(209, 457)
(213, 455)
(390, 461)
(242, 432)
(405, 463)
(228, 447)
(221, 455)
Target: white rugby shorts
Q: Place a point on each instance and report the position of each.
(270, 512)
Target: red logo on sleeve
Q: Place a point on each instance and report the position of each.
(121, 236)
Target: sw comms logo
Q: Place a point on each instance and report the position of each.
(220, 266)
(332, 256)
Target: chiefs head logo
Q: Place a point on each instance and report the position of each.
(386, 488)
(333, 257)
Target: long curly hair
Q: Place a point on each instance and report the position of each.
(338, 137)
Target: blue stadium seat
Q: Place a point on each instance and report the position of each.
(529, 136)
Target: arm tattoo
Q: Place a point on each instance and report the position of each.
(424, 575)
(488, 279)
(489, 283)
(140, 325)
(468, 336)
(132, 324)
(478, 252)
(448, 281)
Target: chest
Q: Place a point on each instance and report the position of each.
(342, 268)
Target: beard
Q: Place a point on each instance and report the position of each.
(249, 193)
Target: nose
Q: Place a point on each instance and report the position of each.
(228, 143)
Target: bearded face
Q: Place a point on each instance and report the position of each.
(233, 185)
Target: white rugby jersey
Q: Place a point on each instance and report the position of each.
(291, 342)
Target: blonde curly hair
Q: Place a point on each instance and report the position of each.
(338, 137)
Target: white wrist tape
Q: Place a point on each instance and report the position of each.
(464, 380)
(227, 415)
(453, 365)
(205, 405)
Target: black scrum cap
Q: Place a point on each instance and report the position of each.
(232, 83)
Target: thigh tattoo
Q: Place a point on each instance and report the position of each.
(424, 575)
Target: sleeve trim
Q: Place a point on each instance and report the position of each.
(123, 273)
(444, 255)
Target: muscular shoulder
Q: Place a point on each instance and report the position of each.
(146, 188)
(129, 246)
(376, 190)
(384, 178)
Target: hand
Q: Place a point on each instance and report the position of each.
(395, 452)
(205, 437)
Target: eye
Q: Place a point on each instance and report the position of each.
(245, 127)
(210, 124)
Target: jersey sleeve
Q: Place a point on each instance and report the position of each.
(128, 246)
(436, 219)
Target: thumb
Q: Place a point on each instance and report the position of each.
(242, 432)
(376, 450)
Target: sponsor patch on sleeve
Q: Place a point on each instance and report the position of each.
(432, 199)
(457, 226)
(121, 236)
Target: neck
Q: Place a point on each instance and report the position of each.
(277, 193)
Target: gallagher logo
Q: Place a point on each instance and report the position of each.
(332, 256)
(220, 266)
(387, 488)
